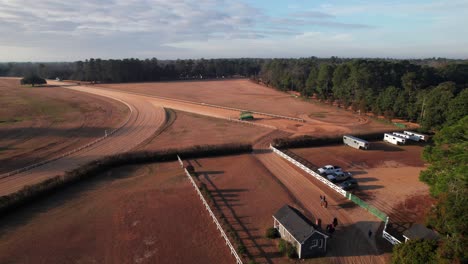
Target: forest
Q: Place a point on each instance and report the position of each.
(431, 92)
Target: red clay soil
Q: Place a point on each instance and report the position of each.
(41, 122)
(146, 214)
(321, 119)
(388, 176)
(188, 129)
(248, 195)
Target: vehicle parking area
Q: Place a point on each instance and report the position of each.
(388, 175)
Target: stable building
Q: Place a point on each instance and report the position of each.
(295, 228)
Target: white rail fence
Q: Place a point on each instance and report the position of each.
(107, 134)
(309, 171)
(389, 237)
(215, 220)
(211, 105)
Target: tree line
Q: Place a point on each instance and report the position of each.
(416, 92)
(447, 177)
(431, 91)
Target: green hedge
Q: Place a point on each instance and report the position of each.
(91, 169)
(310, 141)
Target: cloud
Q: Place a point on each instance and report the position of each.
(71, 30)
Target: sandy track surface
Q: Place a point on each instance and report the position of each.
(143, 122)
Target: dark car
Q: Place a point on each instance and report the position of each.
(348, 184)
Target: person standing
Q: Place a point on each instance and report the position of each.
(370, 233)
(335, 222)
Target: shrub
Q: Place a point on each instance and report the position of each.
(272, 233)
(241, 248)
(287, 249)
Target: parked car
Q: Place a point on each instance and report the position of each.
(349, 184)
(329, 169)
(339, 176)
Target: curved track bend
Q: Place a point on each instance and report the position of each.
(144, 120)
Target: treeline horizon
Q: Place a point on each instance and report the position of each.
(431, 92)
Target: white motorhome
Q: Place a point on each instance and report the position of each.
(393, 139)
(355, 142)
(416, 136)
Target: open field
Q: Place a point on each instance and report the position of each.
(320, 119)
(146, 214)
(387, 176)
(39, 122)
(188, 129)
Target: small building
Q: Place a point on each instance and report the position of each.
(418, 231)
(295, 228)
(355, 142)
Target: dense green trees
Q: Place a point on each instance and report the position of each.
(447, 177)
(432, 96)
(33, 80)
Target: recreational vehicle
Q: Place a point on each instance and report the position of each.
(416, 136)
(355, 142)
(393, 139)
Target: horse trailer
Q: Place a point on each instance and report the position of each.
(355, 142)
(416, 136)
(403, 135)
(393, 139)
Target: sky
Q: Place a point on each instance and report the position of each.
(58, 30)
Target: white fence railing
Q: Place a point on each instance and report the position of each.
(107, 134)
(215, 220)
(309, 171)
(389, 237)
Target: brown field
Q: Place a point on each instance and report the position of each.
(188, 129)
(320, 119)
(146, 214)
(37, 123)
(388, 176)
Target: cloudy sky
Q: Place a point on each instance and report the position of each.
(58, 30)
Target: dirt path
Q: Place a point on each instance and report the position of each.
(143, 122)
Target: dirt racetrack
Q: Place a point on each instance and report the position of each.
(40, 122)
(145, 214)
(320, 119)
(189, 129)
(144, 120)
